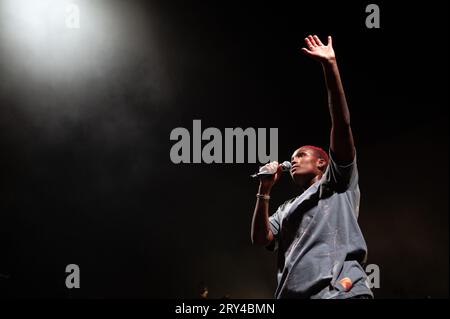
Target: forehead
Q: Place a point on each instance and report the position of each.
(303, 150)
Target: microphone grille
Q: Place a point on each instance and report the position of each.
(286, 166)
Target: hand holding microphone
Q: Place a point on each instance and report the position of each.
(272, 168)
(270, 173)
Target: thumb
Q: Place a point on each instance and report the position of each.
(278, 173)
(330, 41)
(279, 169)
(306, 51)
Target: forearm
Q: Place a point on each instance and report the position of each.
(341, 139)
(261, 233)
(337, 103)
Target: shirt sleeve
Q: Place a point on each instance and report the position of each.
(275, 225)
(342, 177)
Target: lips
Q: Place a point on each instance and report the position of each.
(294, 167)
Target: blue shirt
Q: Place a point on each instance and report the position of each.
(318, 239)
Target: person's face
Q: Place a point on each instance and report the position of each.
(305, 164)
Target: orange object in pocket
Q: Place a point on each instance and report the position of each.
(346, 283)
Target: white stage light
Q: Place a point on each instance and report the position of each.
(53, 38)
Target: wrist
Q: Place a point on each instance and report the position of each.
(264, 190)
(329, 62)
(262, 196)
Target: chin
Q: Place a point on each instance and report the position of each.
(296, 178)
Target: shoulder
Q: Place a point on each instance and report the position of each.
(341, 175)
(335, 162)
(283, 206)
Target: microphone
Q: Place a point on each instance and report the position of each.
(263, 171)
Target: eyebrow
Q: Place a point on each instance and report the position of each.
(298, 152)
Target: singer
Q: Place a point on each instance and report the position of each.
(321, 249)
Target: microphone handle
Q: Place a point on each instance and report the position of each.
(285, 166)
(261, 174)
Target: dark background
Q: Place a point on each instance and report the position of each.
(86, 176)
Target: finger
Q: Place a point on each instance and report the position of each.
(278, 173)
(330, 41)
(272, 167)
(316, 38)
(310, 37)
(279, 169)
(271, 164)
(306, 51)
(309, 44)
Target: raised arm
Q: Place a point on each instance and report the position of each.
(341, 139)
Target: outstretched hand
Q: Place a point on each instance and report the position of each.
(317, 50)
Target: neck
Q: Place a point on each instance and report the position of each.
(304, 185)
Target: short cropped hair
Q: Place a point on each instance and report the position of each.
(319, 152)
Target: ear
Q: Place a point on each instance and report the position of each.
(321, 163)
